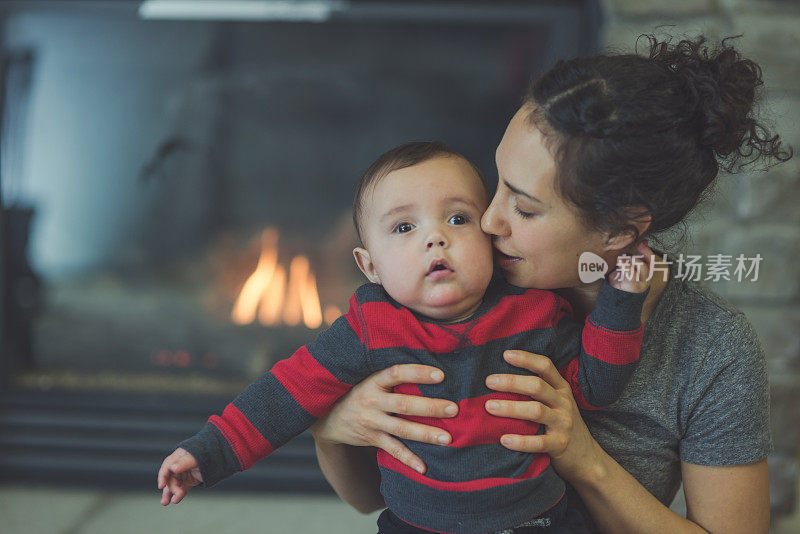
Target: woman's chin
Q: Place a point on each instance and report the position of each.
(515, 278)
(516, 275)
(520, 278)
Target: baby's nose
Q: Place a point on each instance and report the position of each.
(436, 240)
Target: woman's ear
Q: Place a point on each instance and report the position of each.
(364, 262)
(640, 218)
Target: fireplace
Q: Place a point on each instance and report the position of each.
(176, 194)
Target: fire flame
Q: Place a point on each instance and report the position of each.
(268, 296)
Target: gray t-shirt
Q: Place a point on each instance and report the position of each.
(700, 393)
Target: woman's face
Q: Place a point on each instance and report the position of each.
(537, 236)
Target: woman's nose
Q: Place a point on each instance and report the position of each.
(493, 223)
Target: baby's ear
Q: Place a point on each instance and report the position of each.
(364, 262)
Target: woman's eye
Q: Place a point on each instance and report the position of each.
(457, 219)
(523, 214)
(402, 228)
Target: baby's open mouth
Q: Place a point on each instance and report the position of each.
(439, 265)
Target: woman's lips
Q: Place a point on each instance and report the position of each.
(503, 259)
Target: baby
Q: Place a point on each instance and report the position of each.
(433, 300)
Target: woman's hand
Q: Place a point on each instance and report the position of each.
(364, 416)
(572, 449)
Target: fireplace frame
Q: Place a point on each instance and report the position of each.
(80, 439)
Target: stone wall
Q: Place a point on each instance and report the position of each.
(753, 212)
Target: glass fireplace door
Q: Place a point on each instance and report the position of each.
(176, 193)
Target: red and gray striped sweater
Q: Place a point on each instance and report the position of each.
(474, 484)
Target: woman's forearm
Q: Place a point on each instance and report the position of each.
(353, 473)
(618, 503)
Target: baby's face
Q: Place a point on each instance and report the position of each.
(422, 227)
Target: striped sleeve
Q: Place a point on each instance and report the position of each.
(282, 403)
(599, 357)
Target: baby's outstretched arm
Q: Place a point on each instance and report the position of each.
(599, 357)
(178, 474)
(276, 407)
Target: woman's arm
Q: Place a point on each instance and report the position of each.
(714, 492)
(362, 422)
(719, 499)
(353, 473)
(616, 500)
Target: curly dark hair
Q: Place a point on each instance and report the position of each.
(638, 137)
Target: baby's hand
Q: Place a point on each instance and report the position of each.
(178, 474)
(632, 273)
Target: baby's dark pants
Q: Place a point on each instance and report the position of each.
(560, 519)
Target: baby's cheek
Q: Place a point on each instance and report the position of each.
(399, 287)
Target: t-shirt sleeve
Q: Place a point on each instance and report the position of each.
(728, 413)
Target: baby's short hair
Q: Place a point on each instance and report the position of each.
(401, 157)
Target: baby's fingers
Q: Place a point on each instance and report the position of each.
(175, 485)
(179, 495)
(172, 492)
(647, 253)
(166, 495)
(164, 472)
(183, 463)
(166, 466)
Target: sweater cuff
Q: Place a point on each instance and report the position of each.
(618, 310)
(214, 456)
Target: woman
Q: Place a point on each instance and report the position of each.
(605, 152)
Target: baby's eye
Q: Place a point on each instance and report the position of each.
(402, 228)
(457, 219)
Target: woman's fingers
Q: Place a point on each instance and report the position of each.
(527, 410)
(405, 429)
(420, 406)
(400, 452)
(412, 404)
(539, 364)
(364, 415)
(533, 386)
(541, 443)
(407, 374)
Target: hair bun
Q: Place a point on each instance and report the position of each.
(722, 87)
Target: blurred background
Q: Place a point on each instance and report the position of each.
(176, 180)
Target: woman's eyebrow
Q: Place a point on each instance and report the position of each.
(520, 192)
